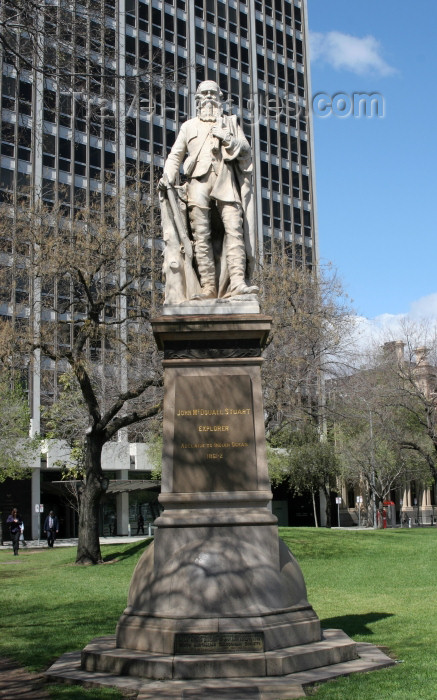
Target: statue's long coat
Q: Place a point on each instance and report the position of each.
(234, 177)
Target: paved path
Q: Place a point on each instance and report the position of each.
(72, 542)
(18, 684)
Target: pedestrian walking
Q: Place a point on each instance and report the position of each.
(140, 524)
(14, 523)
(51, 528)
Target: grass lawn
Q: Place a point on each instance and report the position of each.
(378, 587)
(50, 606)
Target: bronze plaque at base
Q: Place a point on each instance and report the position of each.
(214, 437)
(242, 693)
(219, 642)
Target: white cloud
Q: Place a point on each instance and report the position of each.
(392, 326)
(367, 335)
(347, 52)
(426, 307)
(373, 332)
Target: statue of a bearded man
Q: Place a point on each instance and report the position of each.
(212, 214)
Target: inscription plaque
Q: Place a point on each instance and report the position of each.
(214, 436)
(219, 642)
(244, 693)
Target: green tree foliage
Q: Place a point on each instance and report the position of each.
(276, 461)
(314, 467)
(67, 419)
(154, 449)
(16, 448)
(308, 465)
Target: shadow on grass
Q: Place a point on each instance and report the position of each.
(65, 628)
(354, 624)
(10, 574)
(131, 551)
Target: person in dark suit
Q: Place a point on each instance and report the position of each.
(51, 528)
(140, 524)
(14, 523)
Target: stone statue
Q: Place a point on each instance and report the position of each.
(208, 223)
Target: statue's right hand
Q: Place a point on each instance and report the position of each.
(163, 183)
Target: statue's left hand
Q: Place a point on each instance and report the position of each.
(163, 183)
(221, 134)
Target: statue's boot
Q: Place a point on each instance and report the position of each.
(201, 228)
(205, 294)
(243, 288)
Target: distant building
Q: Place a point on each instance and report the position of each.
(135, 67)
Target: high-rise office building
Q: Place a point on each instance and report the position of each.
(136, 66)
(100, 102)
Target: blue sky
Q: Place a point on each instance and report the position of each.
(377, 177)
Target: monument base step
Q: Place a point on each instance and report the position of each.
(68, 669)
(102, 655)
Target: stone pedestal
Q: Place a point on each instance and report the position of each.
(218, 595)
(217, 580)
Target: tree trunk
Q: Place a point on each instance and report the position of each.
(88, 546)
(327, 493)
(316, 522)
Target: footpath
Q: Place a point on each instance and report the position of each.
(18, 684)
(72, 542)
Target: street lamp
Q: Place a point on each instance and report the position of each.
(338, 502)
(372, 462)
(359, 502)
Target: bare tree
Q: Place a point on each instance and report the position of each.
(94, 287)
(65, 42)
(312, 323)
(410, 365)
(371, 458)
(383, 415)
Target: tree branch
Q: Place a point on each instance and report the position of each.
(130, 419)
(87, 391)
(126, 396)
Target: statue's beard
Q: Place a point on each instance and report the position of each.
(208, 110)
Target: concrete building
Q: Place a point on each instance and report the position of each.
(103, 109)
